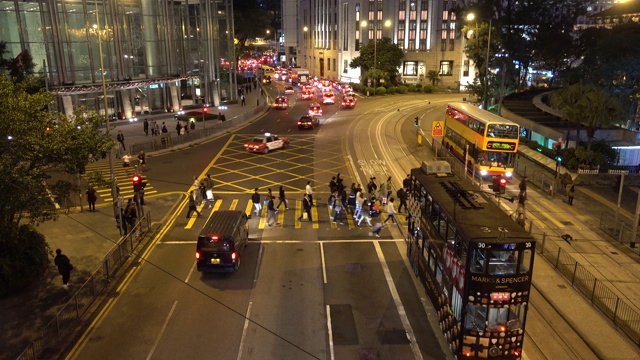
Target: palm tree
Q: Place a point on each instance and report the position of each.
(600, 111)
(433, 77)
(568, 101)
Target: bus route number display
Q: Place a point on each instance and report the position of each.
(501, 145)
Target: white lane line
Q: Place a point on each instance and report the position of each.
(244, 329)
(396, 299)
(164, 327)
(331, 354)
(190, 272)
(324, 268)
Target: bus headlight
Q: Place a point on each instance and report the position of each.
(508, 174)
(483, 172)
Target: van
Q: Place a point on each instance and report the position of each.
(222, 241)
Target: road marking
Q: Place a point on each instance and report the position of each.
(164, 327)
(192, 219)
(193, 267)
(244, 330)
(77, 348)
(396, 299)
(234, 204)
(338, 241)
(330, 331)
(324, 265)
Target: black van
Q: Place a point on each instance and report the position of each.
(222, 241)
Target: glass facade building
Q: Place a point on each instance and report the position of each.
(157, 55)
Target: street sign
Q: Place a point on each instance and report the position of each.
(437, 129)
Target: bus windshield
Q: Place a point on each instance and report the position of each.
(496, 158)
(502, 131)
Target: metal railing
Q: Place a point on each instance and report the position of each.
(620, 231)
(94, 287)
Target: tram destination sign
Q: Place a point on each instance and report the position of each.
(501, 145)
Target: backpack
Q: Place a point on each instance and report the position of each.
(400, 193)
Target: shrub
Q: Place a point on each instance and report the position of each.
(412, 88)
(391, 90)
(418, 88)
(381, 90)
(402, 89)
(369, 90)
(428, 89)
(24, 255)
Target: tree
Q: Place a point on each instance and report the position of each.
(586, 105)
(601, 110)
(33, 140)
(433, 77)
(250, 21)
(388, 57)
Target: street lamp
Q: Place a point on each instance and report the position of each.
(364, 24)
(471, 17)
(114, 191)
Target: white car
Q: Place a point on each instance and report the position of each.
(289, 90)
(328, 98)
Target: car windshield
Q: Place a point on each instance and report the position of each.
(257, 139)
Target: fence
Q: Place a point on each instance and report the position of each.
(95, 286)
(624, 316)
(620, 231)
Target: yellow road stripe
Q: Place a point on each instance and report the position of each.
(234, 203)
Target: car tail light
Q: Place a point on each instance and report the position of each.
(197, 255)
(299, 123)
(233, 256)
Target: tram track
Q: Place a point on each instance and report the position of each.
(548, 334)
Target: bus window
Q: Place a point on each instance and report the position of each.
(476, 317)
(503, 262)
(478, 261)
(503, 131)
(525, 261)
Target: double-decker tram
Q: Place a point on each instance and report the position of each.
(474, 261)
(486, 142)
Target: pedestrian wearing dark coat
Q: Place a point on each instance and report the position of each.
(92, 196)
(64, 267)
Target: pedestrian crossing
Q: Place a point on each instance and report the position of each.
(97, 174)
(321, 215)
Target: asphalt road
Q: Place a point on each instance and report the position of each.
(304, 290)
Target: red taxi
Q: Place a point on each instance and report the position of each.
(307, 94)
(265, 143)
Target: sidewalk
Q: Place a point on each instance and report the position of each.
(85, 237)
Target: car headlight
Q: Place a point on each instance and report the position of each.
(483, 172)
(508, 174)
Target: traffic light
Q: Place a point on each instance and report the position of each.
(416, 122)
(499, 185)
(137, 182)
(205, 109)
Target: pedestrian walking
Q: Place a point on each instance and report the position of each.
(338, 211)
(207, 183)
(309, 192)
(179, 128)
(406, 183)
(243, 100)
(131, 213)
(146, 127)
(306, 206)
(372, 186)
(522, 197)
(391, 212)
(376, 229)
(333, 185)
(523, 184)
(142, 159)
(359, 202)
(271, 211)
(389, 186)
(120, 138)
(364, 213)
(154, 128)
(339, 182)
(521, 220)
(92, 196)
(402, 196)
(64, 267)
(197, 189)
(164, 128)
(119, 150)
(255, 198)
(192, 205)
(570, 194)
(283, 199)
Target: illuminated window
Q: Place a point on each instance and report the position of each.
(410, 68)
(446, 67)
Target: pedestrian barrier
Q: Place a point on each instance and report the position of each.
(57, 329)
(620, 231)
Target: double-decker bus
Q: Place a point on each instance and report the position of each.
(488, 143)
(474, 262)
